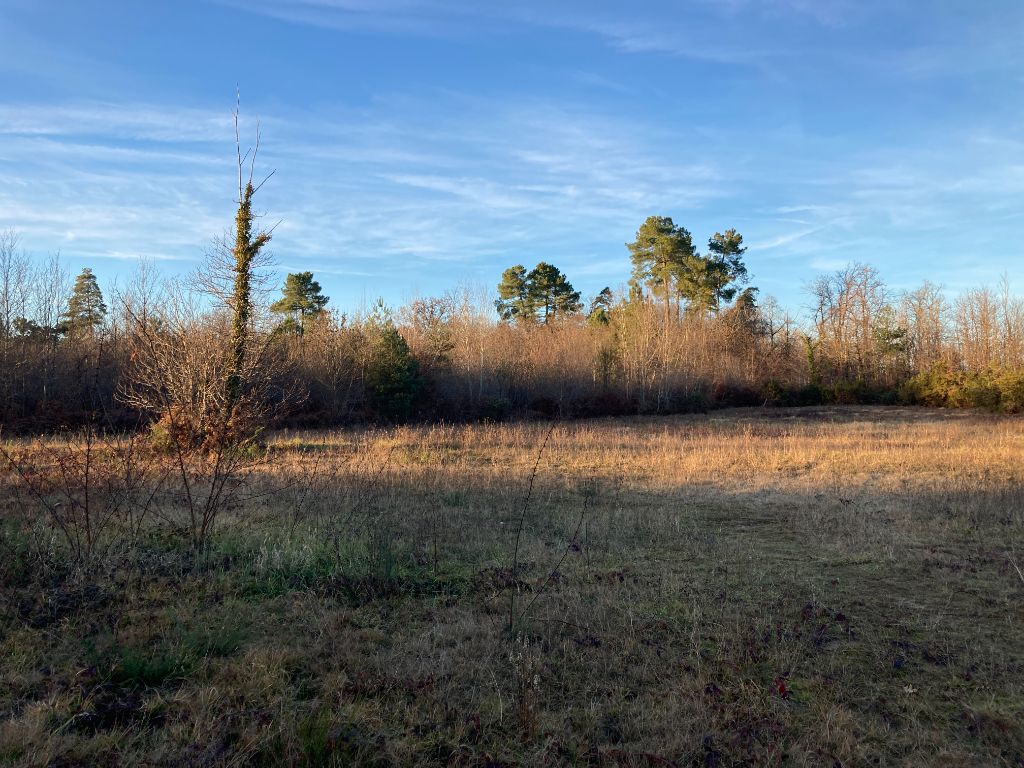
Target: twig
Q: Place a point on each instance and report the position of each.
(1016, 567)
(522, 522)
(565, 553)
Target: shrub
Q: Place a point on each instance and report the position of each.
(937, 387)
(981, 391)
(1011, 389)
(849, 392)
(810, 394)
(773, 393)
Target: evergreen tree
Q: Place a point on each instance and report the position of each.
(745, 310)
(543, 293)
(660, 254)
(726, 267)
(551, 292)
(600, 308)
(666, 261)
(393, 379)
(86, 310)
(514, 299)
(29, 329)
(301, 298)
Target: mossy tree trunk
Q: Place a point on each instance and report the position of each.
(247, 247)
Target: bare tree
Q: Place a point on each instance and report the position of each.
(977, 328)
(15, 272)
(14, 291)
(1011, 311)
(849, 308)
(925, 311)
(213, 380)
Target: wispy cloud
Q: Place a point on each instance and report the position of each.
(419, 183)
(780, 240)
(114, 121)
(689, 31)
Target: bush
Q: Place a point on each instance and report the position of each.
(1011, 388)
(980, 391)
(736, 396)
(995, 390)
(605, 404)
(849, 392)
(545, 407)
(936, 387)
(810, 394)
(773, 393)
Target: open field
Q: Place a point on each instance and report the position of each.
(832, 587)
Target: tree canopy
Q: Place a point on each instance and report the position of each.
(726, 269)
(514, 300)
(669, 265)
(661, 254)
(600, 307)
(301, 298)
(541, 294)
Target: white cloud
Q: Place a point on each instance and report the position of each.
(411, 189)
(780, 240)
(137, 121)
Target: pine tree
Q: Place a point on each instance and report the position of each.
(600, 308)
(551, 292)
(86, 310)
(301, 298)
(660, 254)
(514, 299)
(725, 252)
(393, 379)
(666, 261)
(543, 294)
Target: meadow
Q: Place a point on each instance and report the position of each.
(835, 586)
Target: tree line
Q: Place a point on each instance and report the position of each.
(687, 332)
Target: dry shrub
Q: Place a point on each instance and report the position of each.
(97, 490)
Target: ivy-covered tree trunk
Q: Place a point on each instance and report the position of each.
(245, 251)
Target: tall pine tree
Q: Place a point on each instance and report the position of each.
(86, 311)
(725, 257)
(667, 263)
(551, 292)
(661, 253)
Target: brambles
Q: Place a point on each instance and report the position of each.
(96, 490)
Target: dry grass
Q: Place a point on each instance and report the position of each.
(792, 587)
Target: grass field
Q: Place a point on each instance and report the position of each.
(833, 587)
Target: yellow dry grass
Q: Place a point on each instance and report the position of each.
(831, 586)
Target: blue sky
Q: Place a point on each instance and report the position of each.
(422, 143)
